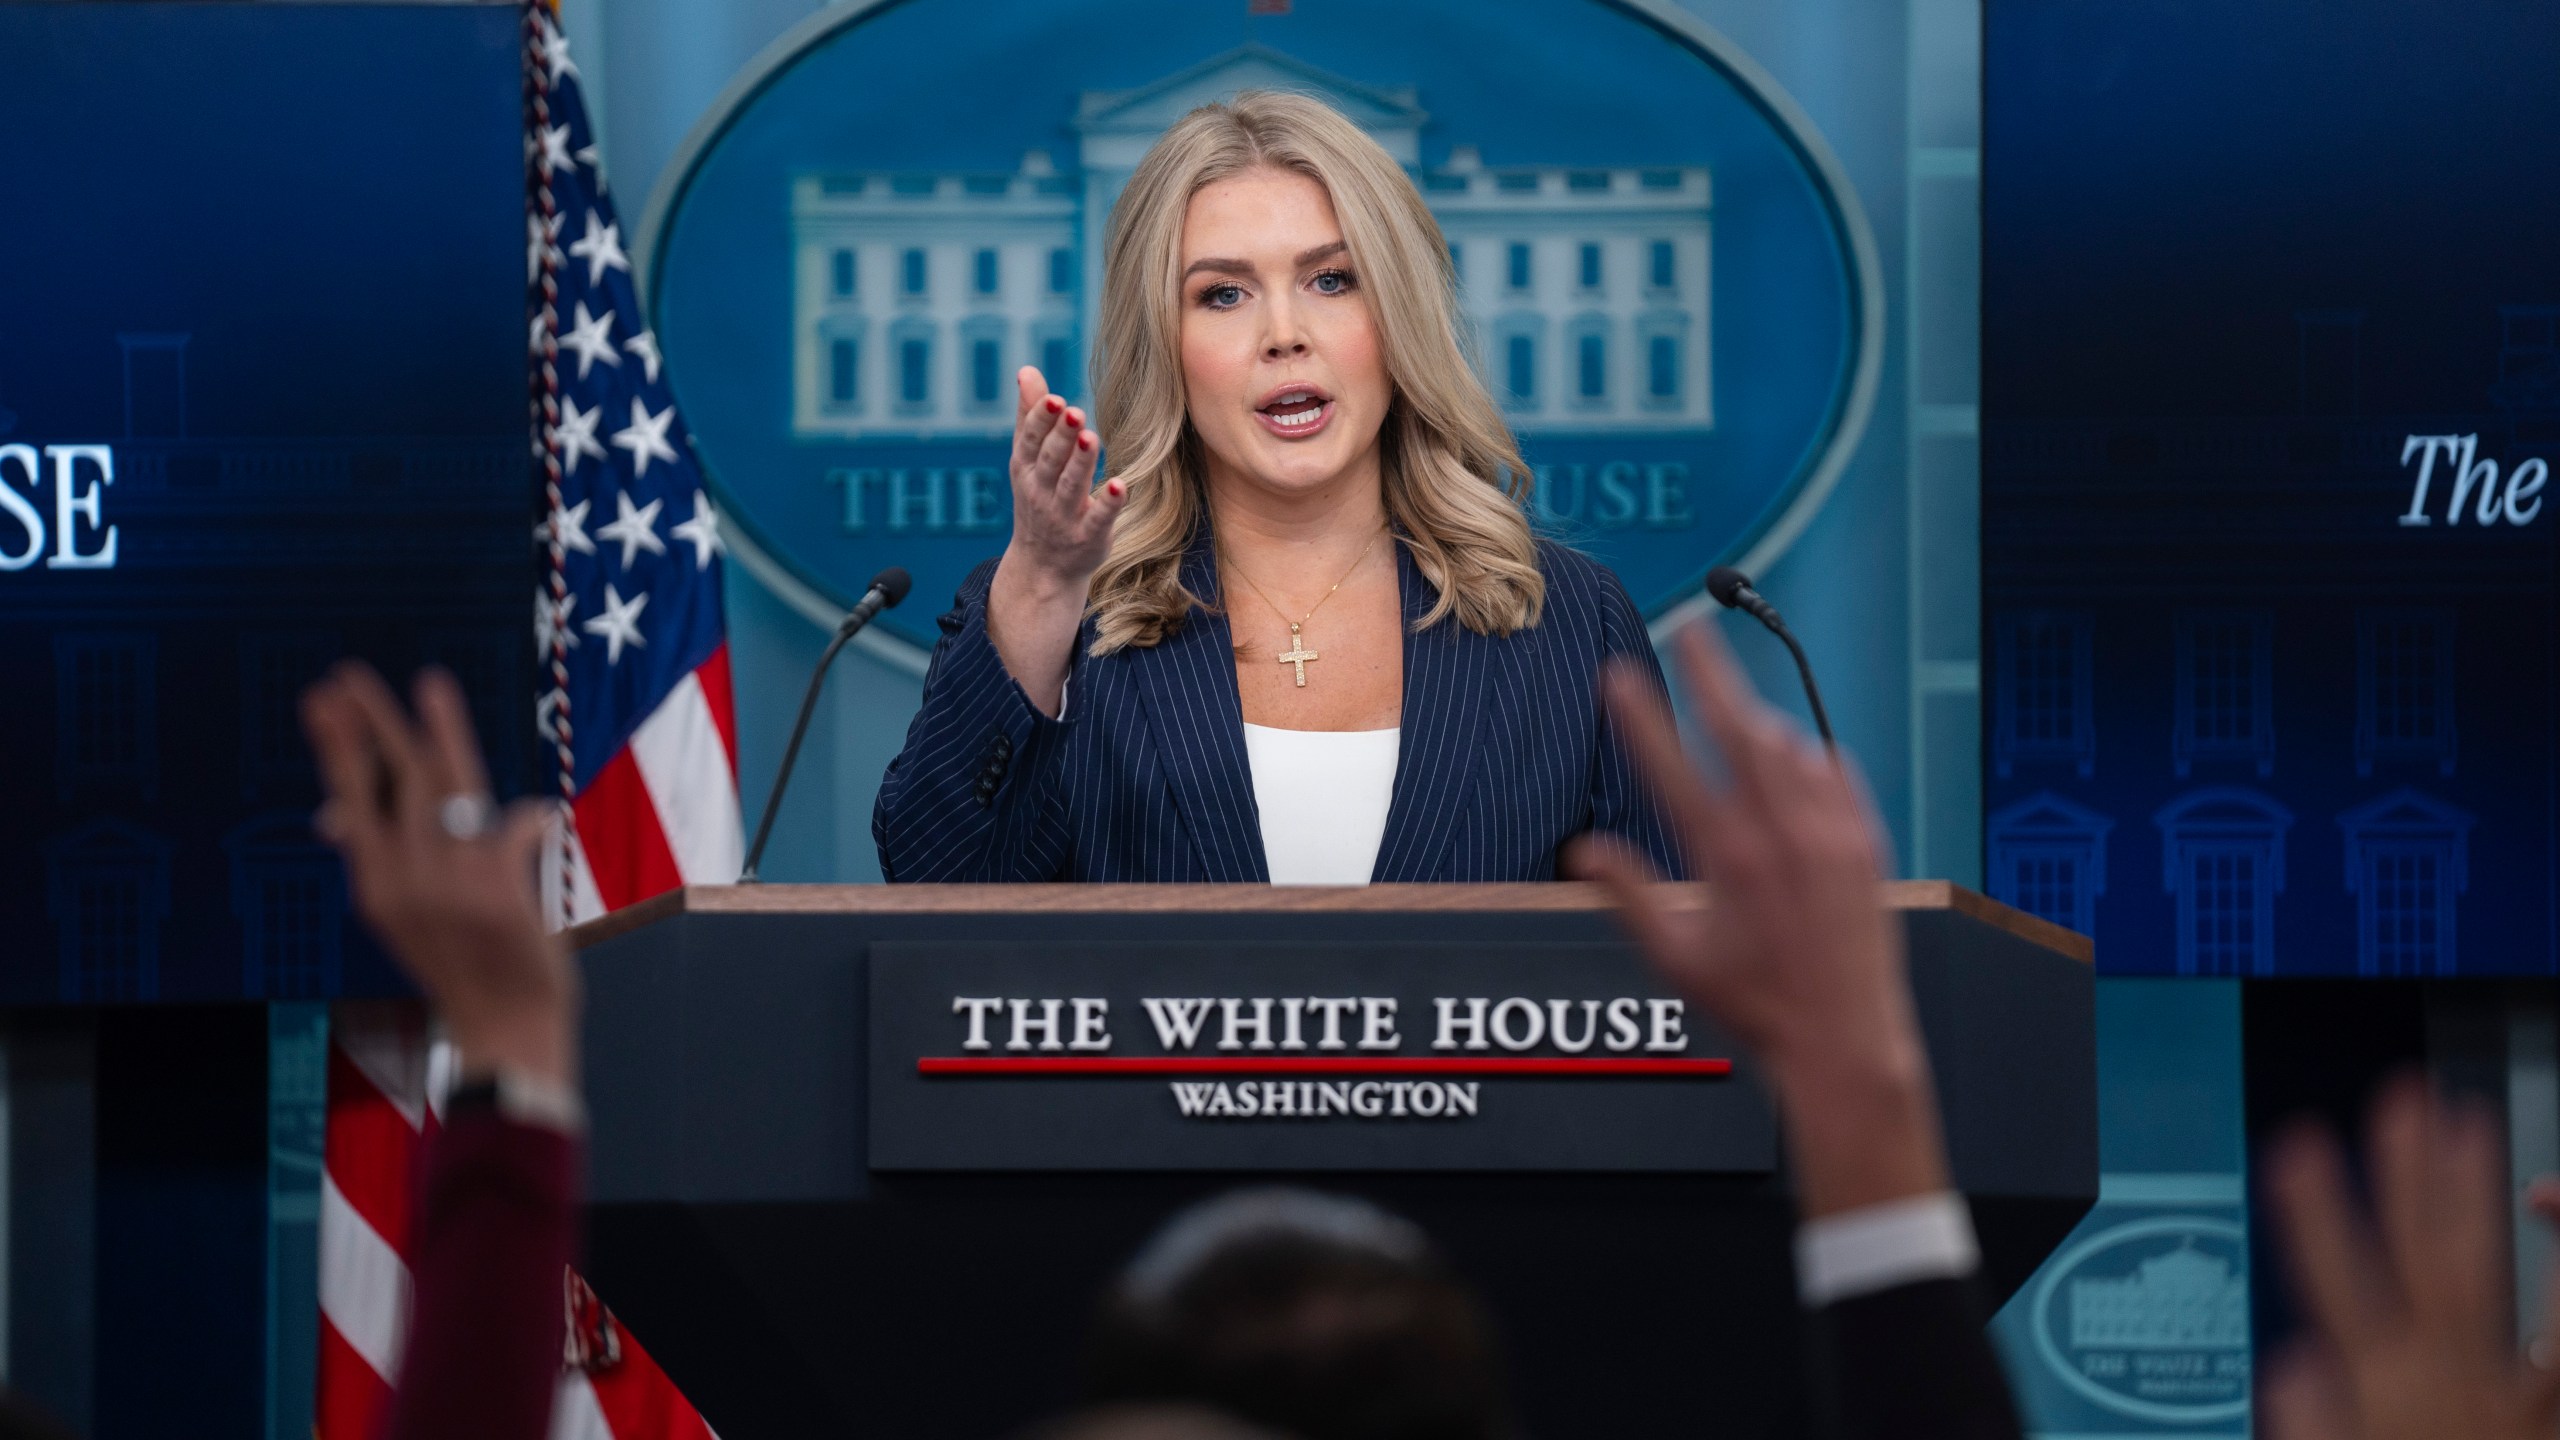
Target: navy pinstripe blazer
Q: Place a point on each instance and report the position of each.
(1505, 753)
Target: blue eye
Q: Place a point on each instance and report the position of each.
(1342, 275)
(1209, 296)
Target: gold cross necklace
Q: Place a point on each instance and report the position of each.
(1298, 654)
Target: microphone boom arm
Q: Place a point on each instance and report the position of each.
(791, 756)
(1804, 670)
(1732, 589)
(887, 589)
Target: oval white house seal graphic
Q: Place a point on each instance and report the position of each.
(2150, 1319)
(1668, 284)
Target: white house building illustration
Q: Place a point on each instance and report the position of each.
(2181, 1300)
(917, 294)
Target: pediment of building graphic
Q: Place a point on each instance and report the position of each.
(107, 842)
(274, 836)
(2226, 808)
(1149, 109)
(2045, 815)
(2405, 811)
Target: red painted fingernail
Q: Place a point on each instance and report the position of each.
(1055, 404)
(1117, 489)
(1084, 441)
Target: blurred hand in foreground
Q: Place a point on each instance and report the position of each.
(444, 881)
(2408, 1307)
(1790, 948)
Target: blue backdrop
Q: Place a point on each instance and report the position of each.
(2271, 388)
(268, 262)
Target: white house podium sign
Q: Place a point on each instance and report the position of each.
(863, 1155)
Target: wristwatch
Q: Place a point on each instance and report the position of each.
(523, 1098)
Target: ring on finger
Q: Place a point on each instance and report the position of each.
(466, 817)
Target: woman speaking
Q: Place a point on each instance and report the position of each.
(1303, 633)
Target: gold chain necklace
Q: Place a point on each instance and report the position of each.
(1298, 654)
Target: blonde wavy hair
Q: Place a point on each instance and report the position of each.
(1452, 472)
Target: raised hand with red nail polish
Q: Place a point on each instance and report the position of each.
(1061, 532)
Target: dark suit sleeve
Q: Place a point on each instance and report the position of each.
(1911, 1362)
(496, 1225)
(1620, 801)
(973, 796)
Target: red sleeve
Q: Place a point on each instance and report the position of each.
(495, 1228)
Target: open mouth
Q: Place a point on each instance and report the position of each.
(1296, 412)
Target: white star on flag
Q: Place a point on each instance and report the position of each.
(577, 436)
(645, 345)
(702, 532)
(646, 436)
(568, 526)
(544, 711)
(555, 149)
(619, 624)
(592, 338)
(602, 250)
(634, 529)
(555, 53)
(551, 622)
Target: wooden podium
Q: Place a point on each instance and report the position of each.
(738, 1226)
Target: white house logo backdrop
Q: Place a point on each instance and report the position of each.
(1669, 290)
(2149, 1320)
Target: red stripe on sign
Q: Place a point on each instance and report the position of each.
(349, 1396)
(370, 1150)
(1316, 1065)
(714, 675)
(626, 846)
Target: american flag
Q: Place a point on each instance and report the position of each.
(637, 711)
(635, 692)
(385, 1083)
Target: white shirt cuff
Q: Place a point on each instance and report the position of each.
(1876, 1247)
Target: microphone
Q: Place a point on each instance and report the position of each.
(1732, 589)
(887, 588)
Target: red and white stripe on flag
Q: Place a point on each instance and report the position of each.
(381, 1085)
(663, 812)
(611, 1389)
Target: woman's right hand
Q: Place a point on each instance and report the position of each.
(1061, 523)
(1061, 533)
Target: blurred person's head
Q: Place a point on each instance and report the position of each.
(1263, 246)
(1315, 1314)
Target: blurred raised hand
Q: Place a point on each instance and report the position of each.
(2408, 1302)
(1788, 944)
(444, 879)
(1061, 533)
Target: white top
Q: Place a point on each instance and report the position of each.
(1323, 796)
(1876, 1247)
